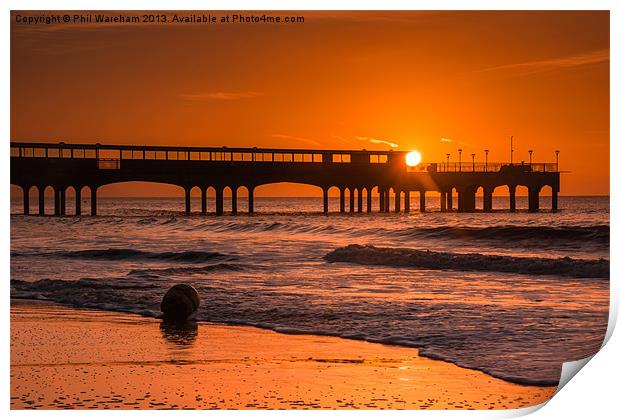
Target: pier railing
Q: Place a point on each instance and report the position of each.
(494, 167)
(237, 154)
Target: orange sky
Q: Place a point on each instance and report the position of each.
(335, 81)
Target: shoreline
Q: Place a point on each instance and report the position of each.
(66, 357)
(288, 332)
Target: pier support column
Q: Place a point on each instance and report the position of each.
(442, 200)
(78, 201)
(381, 200)
(341, 200)
(460, 201)
(397, 194)
(219, 201)
(325, 200)
(63, 201)
(250, 200)
(360, 202)
(203, 200)
(41, 201)
(368, 199)
(466, 200)
(387, 200)
(188, 201)
(488, 199)
(233, 200)
(449, 200)
(26, 200)
(93, 201)
(554, 199)
(407, 201)
(512, 189)
(422, 201)
(533, 199)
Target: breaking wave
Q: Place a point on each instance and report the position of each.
(116, 254)
(597, 233)
(517, 236)
(172, 271)
(431, 260)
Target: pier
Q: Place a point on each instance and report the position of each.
(356, 172)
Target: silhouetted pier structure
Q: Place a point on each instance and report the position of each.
(61, 166)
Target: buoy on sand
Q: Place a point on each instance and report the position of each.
(180, 302)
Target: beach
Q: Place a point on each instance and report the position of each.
(68, 358)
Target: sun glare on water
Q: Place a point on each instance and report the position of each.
(413, 158)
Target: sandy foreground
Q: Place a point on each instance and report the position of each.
(78, 358)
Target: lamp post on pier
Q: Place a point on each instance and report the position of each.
(447, 162)
(460, 152)
(473, 162)
(557, 160)
(486, 160)
(530, 152)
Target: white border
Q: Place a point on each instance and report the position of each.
(593, 394)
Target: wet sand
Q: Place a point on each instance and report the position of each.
(63, 358)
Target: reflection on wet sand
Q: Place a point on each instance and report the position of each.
(179, 334)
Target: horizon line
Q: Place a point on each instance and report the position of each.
(336, 196)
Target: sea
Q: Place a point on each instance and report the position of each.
(511, 294)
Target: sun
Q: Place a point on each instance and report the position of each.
(413, 158)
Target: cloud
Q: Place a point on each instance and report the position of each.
(445, 140)
(540, 66)
(295, 138)
(220, 96)
(376, 141)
